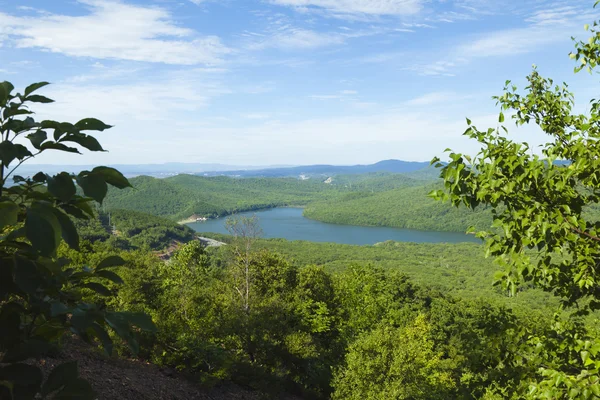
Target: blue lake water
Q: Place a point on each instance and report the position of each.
(288, 223)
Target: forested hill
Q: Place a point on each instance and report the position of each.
(185, 195)
(376, 199)
(407, 207)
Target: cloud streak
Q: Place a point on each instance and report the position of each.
(114, 30)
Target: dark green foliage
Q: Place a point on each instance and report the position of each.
(42, 295)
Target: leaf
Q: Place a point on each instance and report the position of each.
(27, 277)
(35, 98)
(34, 86)
(9, 151)
(3, 95)
(58, 146)
(87, 141)
(113, 177)
(60, 376)
(69, 232)
(501, 118)
(26, 379)
(39, 177)
(141, 320)
(93, 185)
(79, 389)
(98, 288)
(104, 337)
(42, 228)
(111, 261)
(33, 348)
(36, 138)
(110, 275)
(9, 213)
(61, 186)
(118, 322)
(91, 124)
(57, 309)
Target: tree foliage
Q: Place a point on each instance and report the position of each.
(542, 234)
(42, 295)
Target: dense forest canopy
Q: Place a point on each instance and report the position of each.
(320, 321)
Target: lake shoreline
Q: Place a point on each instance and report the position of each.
(289, 223)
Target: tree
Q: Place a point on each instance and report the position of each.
(394, 363)
(245, 231)
(541, 232)
(41, 295)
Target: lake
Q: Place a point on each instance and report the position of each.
(288, 223)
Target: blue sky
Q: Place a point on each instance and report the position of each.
(257, 82)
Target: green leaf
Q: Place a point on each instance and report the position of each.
(9, 213)
(34, 86)
(57, 308)
(58, 146)
(501, 118)
(110, 275)
(36, 138)
(3, 95)
(26, 379)
(104, 337)
(69, 232)
(93, 185)
(10, 151)
(60, 376)
(43, 228)
(35, 98)
(87, 141)
(118, 322)
(61, 186)
(39, 177)
(79, 389)
(33, 348)
(110, 261)
(112, 176)
(98, 288)
(91, 124)
(141, 320)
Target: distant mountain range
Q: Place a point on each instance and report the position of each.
(394, 166)
(131, 170)
(170, 169)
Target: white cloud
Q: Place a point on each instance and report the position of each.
(115, 30)
(354, 7)
(434, 98)
(341, 95)
(295, 38)
(549, 26)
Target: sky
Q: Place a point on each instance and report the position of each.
(264, 82)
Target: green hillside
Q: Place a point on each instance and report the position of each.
(129, 229)
(407, 207)
(375, 199)
(184, 195)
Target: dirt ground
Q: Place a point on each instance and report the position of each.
(117, 379)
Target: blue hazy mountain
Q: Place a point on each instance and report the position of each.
(393, 166)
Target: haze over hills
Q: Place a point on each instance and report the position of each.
(215, 169)
(396, 166)
(131, 170)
